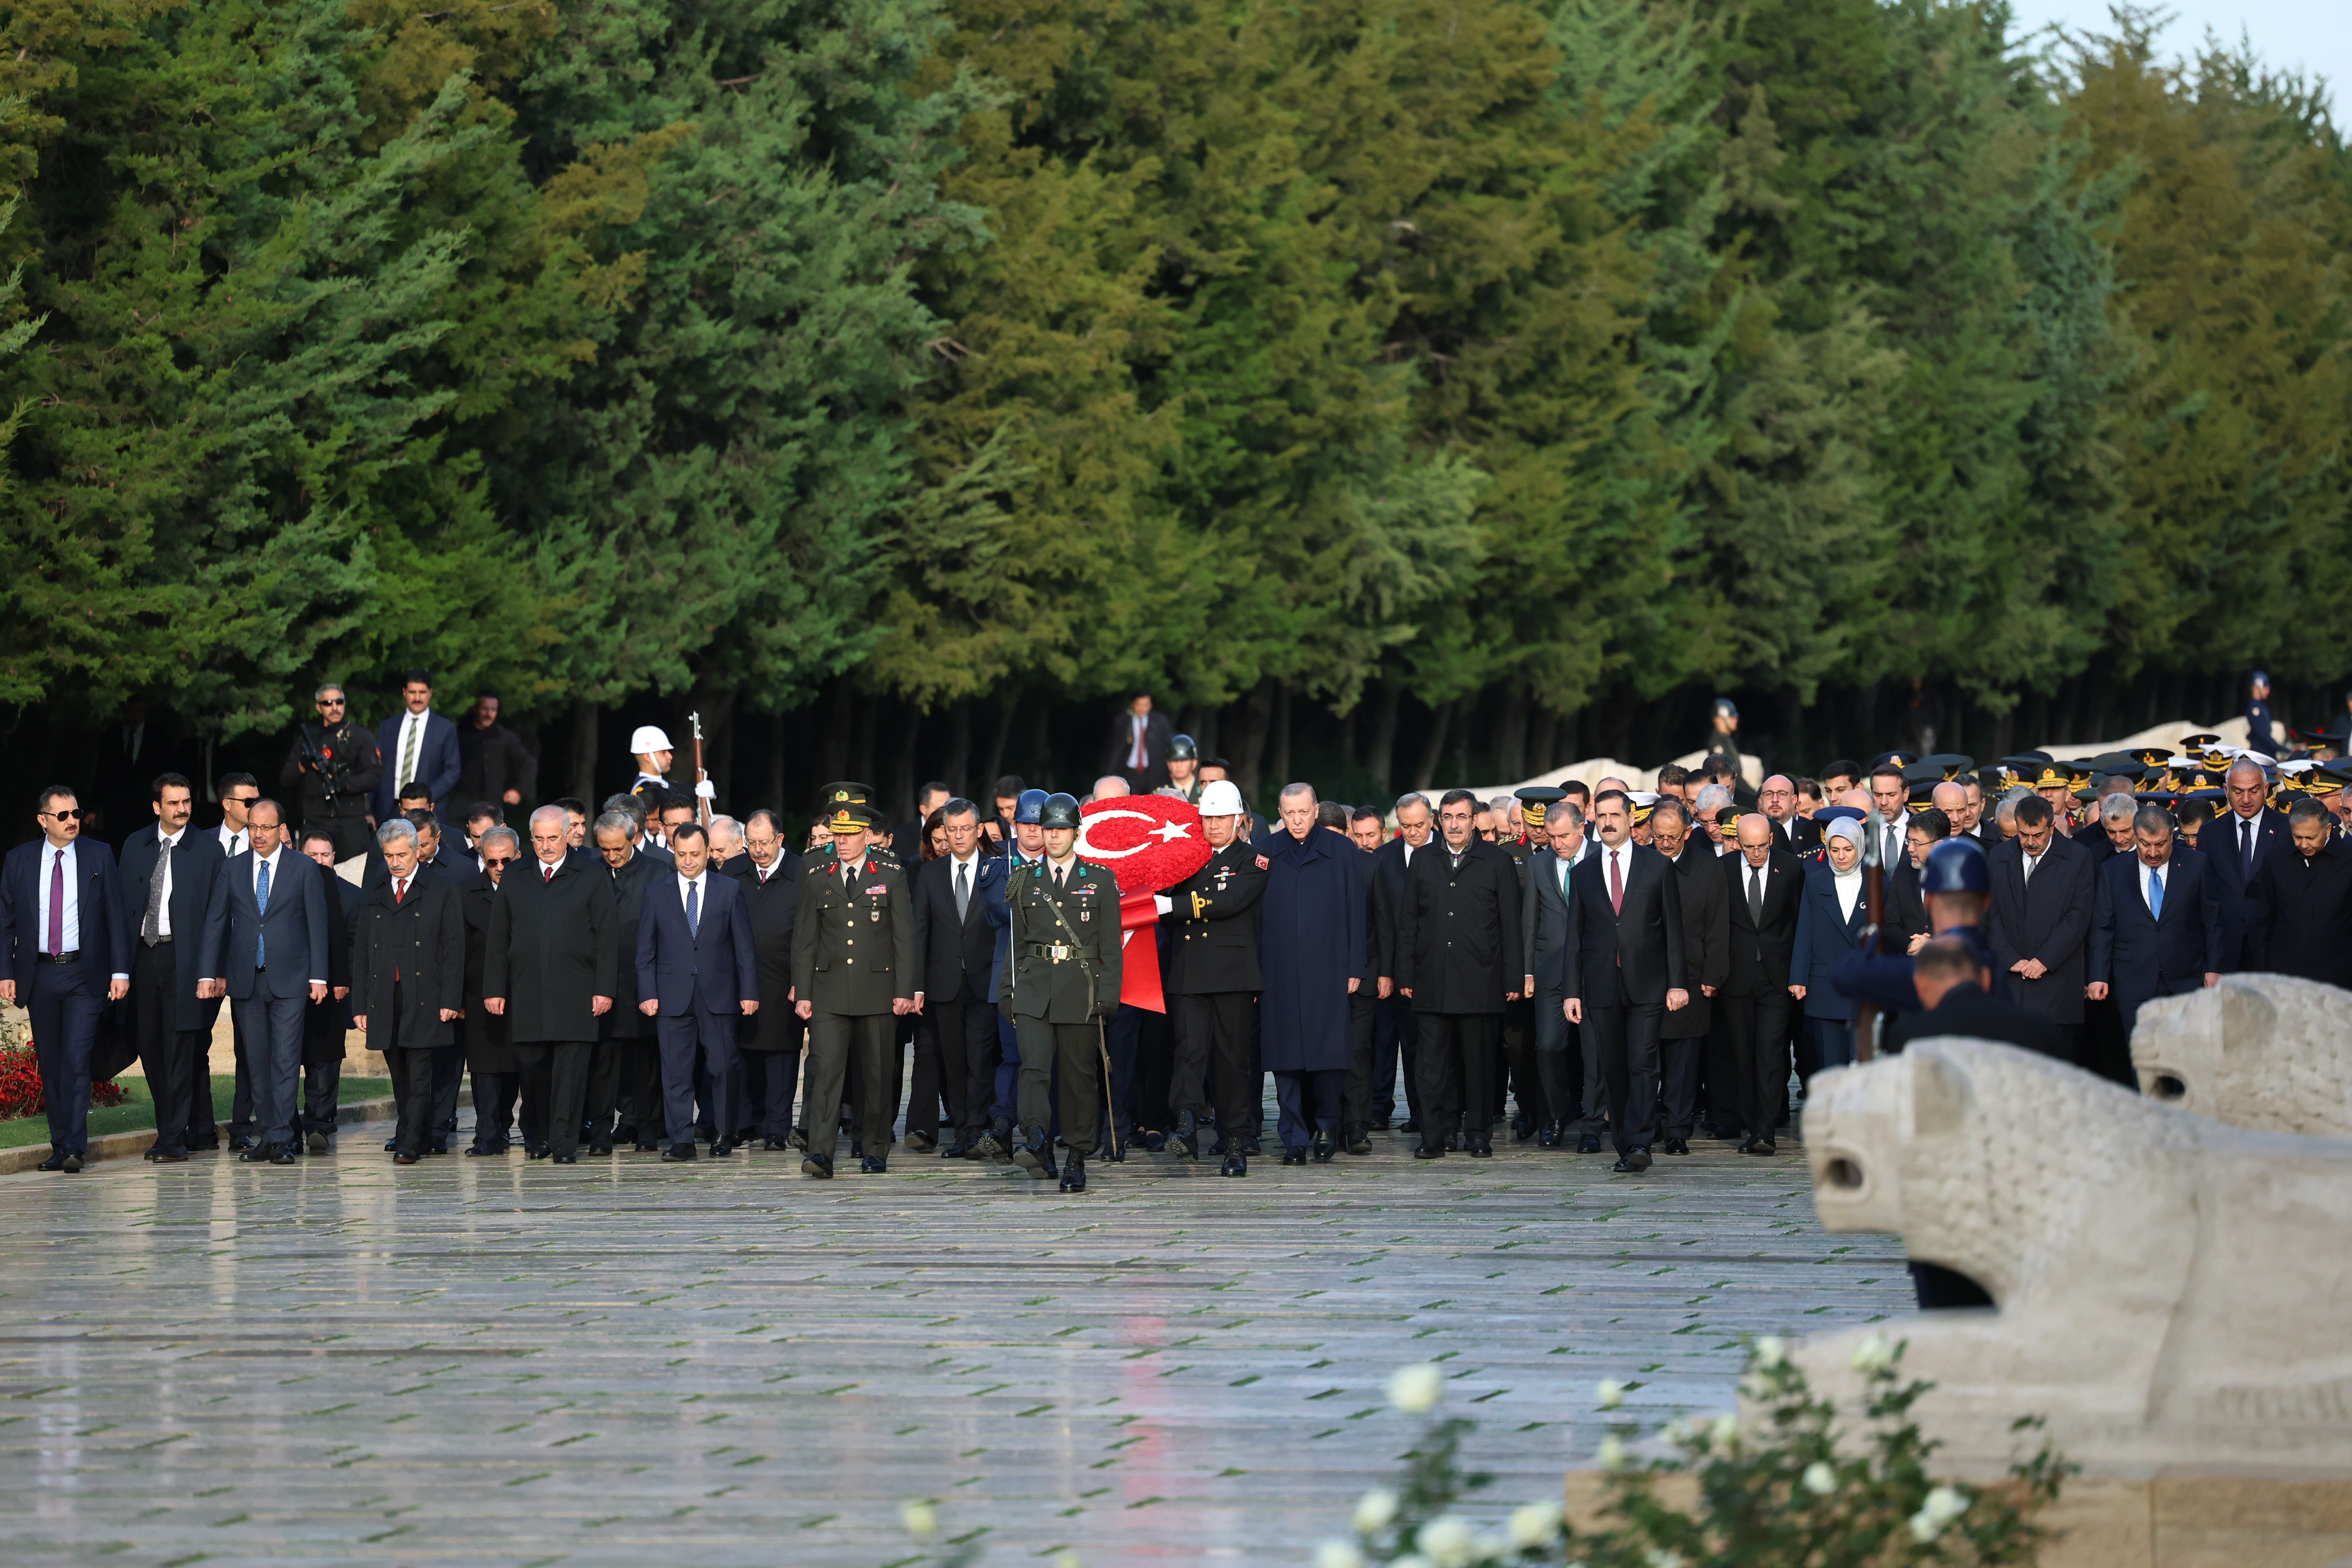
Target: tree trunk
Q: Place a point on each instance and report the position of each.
(1425, 773)
(583, 752)
(901, 788)
(1278, 736)
(774, 800)
(840, 710)
(1380, 752)
(861, 748)
(1543, 742)
(1511, 734)
(1249, 726)
(999, 734)
(959, 769)
(1039, 764)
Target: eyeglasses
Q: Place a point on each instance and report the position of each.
(69, 813)
(331, 703)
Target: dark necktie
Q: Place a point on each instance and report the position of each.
(151, 925)
(1756, 898)
(962, 889)
(2246, 844)
(694, 910)
(57, 903)
(261, 908)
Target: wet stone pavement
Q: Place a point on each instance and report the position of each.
(485, 1361)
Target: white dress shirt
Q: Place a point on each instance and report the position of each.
(2149, 876)
(694, 885)
(49, 861)
(231, 840)
(408, 721)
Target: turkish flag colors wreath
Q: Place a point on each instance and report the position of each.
(1150, 843)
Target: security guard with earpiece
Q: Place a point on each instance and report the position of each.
(1063, 977)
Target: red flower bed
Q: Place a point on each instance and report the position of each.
(20, 1085)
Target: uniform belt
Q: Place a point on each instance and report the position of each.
(73, 957)
(1058, 952)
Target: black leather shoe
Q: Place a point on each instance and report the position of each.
(1677, 1146)
(1759, 1146)
(565, 1159)
(1293, 1154)
(1552, 1136)
(240, 1142)
(675, 1154)
(1249, 1146)
(1589, 1145)
(1360, 1141)
(857, 1149)
(721, 1147)
(1236, 1164)
(166, 1157)
(1074, 1174)
(920, 1142)
(403, 1159)
(600, 1149)
(539, 1151)
(1322, 1147)
(776, 1146)
(820, 1167)
(1453, 1142)
(1033, 1153)
(315, 1142)
(649, 1148)
(1429, 1150)
(876, 1164)
(54, 1163)
(1186, 1139)
(255, 1155)
(1634, 1162)
(438, 1146)
(205, 1145)
(1408, 1125)
(279, 1154)
(1481, 1148)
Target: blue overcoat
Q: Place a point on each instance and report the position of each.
(1310, 939)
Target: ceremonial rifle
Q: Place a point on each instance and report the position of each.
(701, 802)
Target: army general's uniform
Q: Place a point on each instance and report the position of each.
(853, 955)
(1065, 974)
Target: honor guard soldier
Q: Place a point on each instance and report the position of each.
(855, 969)
(1063, 980)
(1183, 771)
(1213, 977)
(651, 748)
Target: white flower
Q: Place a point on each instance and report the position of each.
(1753, 1386)
(1726, 1431)
(1611, 1453)
(1447, 1541)
(1493, 1547)
(1535, 1525)
(1659, 1557)
(919, 1519)
(1771, 1351)
(1338, 1554)
(1941, 1505)
(1609, 1393)
(1820, 1479)
(1873, 1354)
(1411, 1559)
(1375, 1510)
(1067, 1559)
(1415, 1390)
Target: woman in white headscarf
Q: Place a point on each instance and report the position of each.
(1830, 917)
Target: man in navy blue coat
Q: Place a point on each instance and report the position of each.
(2157, 932)
(2235, 846)
(1311, 951)
(417, 746)
(64, 954)
(697, 970)
(168, 870)
(266, 950)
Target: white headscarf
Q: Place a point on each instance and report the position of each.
(1848, 884)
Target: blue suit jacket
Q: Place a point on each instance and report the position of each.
(105, 941)
(2142, 956)
(1824, 936)
(1000, 916)
(296, 929)
(719, 960)
(436, 762)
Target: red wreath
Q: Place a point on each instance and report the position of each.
(1148, 842)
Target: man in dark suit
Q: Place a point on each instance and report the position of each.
(550, 970)
(2302, 900)
(855, 970)
(325, 1025)
(1458, 937)
(129, 754)
(167, 884)
(1364, 1089)
(1706, 955)
(955, 1040)
(65, 953)
(2044, 894)
(408, 978)
(1138, 748)
(1907, 905)
(2235, 846)
(493, 765)
(2158, 930)
(489, 1052)
(769, 1041)
(1778, 801)
(1572, 1077)
(1211, 980)
(1625, 969)
(417, 745)
(265, 951)
(1764, 883)
(698, 972)
(1396, 1033)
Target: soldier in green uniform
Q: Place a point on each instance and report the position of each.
(855, 969)
(1063, 977)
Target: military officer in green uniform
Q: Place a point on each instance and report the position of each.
(1065, 976)
(855, 969)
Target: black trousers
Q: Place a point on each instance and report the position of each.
(493, 1108)
(964, 1048)
(448, 1069)
(411, 1070)
(1758, 1029)
(1458, 1058)
(1518, 1063)
(1361, 1092)
(171, 1056)
(771, 1079)
(1678, 1062)
(641, 1111)
(64, 1008)
(605, 1091)
(832, 1037)
(322, 1087)
(555, 1074)
(1396, 1038)
(1061, 1064)
(1306, 1103)
(1627, 1039)
(1214, 1027)
(1155, 1070)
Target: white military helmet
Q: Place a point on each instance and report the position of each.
(648, 738)
(1222, 799)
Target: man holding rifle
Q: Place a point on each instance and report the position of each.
(333, 768)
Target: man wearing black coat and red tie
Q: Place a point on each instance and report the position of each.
(550, 968)
(2158, 927)
(1625, 968)
(408, 978)
(698, 972)
(1459, 953)
(65, 953)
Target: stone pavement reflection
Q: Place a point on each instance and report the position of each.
(477, 1362)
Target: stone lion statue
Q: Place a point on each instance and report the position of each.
(2167, 1288)
(2267, 1051)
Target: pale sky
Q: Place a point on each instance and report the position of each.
(2313, 35)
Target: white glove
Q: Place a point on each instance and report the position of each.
(705, 789)
(1163, 903)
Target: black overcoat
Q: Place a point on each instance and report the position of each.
(774, 905)
(553, 944)
(422, 938)
(1460, 944)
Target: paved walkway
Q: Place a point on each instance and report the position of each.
(477, 1362)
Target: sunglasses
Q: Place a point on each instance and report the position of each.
(331, 703)
(70, 814)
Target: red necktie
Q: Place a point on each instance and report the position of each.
(399, 889)
(1616, 886)
(57, 904)
(547, 873)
